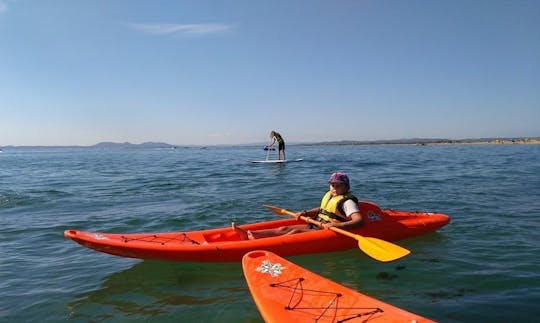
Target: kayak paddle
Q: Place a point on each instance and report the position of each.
(376, 248)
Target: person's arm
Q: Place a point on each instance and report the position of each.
(272, 143)
(350, 207)
(354, 222)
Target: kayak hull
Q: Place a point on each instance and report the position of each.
(286, 292)
(224, 244)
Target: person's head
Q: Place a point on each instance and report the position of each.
(272, 133)
(339, 183)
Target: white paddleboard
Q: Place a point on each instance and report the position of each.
(274, 161)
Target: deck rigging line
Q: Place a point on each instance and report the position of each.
(181, 237)
(297, 289)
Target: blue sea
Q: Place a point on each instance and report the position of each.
(482, 267)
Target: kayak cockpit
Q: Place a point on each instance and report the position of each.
(223, 236)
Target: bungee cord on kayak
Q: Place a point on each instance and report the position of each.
(331, 310)
(180, 238)
(287, 292)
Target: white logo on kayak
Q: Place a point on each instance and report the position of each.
(99, 236)
(373, 216)
(269, 268)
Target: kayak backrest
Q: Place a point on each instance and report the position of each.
(370, 211)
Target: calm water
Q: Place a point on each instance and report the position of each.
(482, 267)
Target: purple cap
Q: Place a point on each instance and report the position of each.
(339, 178)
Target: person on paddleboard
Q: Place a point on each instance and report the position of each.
(339, 208)
(276, 137)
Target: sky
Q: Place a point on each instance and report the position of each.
(228, 72)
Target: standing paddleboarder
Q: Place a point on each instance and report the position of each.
(276, 137)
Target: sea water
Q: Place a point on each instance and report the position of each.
(482, 267)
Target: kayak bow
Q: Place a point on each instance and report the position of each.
(286, 292)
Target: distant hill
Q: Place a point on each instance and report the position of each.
(130, 145)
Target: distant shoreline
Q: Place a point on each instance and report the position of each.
(424, 142)
(410, 142)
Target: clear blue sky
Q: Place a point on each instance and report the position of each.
(228, 72)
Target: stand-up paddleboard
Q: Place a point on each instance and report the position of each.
(286, 292)
(278, 161)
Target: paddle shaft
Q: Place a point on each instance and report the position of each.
(373, 247)
(320, 224)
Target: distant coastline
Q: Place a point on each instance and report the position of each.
(437, 141)
(414, 141)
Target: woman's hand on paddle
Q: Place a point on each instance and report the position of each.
(327, 226)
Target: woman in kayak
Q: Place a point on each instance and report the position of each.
(275, 136)
(339, 208)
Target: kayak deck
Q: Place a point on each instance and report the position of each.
(286, 292)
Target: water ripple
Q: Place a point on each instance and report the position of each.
(488, 252)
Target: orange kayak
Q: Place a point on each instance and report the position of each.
(286, 292)
(224, 244)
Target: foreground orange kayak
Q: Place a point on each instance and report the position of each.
(224, 244)
(286, 292)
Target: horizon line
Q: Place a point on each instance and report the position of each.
(336, 142)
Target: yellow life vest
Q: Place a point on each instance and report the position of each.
(330, 209)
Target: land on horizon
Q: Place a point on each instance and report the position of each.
(412, 141)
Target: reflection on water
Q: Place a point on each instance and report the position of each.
(150, 288)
